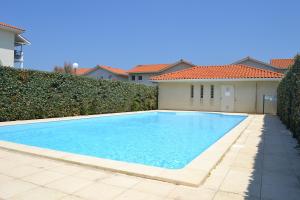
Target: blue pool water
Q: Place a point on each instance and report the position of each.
(163, 139)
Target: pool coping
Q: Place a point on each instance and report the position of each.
(193, 174)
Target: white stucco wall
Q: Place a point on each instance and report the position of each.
(104, 74)
(7, 42)
(248, 96)
(146, 76)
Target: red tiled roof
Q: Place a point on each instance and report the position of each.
(10, 26)
(282, 63)
(148, 68)
(81, 71)
(118, 71)
(219, 72)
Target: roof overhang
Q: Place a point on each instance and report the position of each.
(11, 29)
(216, 80)
(21, 40)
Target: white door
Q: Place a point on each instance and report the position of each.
(227, 98)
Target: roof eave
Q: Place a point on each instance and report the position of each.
(22, 40)
(14, 30)
(218, 80)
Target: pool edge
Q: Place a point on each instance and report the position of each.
(194, 174)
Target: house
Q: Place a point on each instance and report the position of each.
(225, 88)
(257, 63)
(106, 72)
(282, 63)
(81, 71)
(11, 45)
(143, 73)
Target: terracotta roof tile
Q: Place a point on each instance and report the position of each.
(10, 26)
(148, 68)
(118, 71)
(219, 72)
(81, 71)
(282, 63)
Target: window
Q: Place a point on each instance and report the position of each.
(109, 77)
(212, 91)
(133, 78)
(192, 91)
(140, 78)
(201, 91)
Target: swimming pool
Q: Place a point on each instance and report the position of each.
(163, 139)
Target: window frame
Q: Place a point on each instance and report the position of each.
(192, 91)
(212, 91)
(133, 77)
(201, 91)
(140, 78)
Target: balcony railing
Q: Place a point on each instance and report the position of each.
(18, 56)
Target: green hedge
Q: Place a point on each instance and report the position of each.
(28, 94)
(288, 106)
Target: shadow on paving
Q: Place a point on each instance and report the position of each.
(276, 171)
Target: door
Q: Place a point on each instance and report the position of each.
(227, 98)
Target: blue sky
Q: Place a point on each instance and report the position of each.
(125, 33)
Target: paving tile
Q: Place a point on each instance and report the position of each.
(4, 153)
(93, 174)
(121, 181)
(22, 158)
(155, 187)
(71, 197)
(43, 177)
(241, 182)
(67, 169)
(22, 171)
(280, 180)
(14, 187)
(273, 192)
(101, 191)
(40, 193)
(232, 196)
(4, 179)
(214, 181)
(68, 184)
(6, 165)
(190, 193)
(46, 163)
(134, 195)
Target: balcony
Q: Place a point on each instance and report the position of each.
(18, 55)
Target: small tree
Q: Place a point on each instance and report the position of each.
(66, 69)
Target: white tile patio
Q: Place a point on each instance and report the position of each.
(262, 164)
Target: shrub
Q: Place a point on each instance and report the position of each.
(28, 94)
(288, 106)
